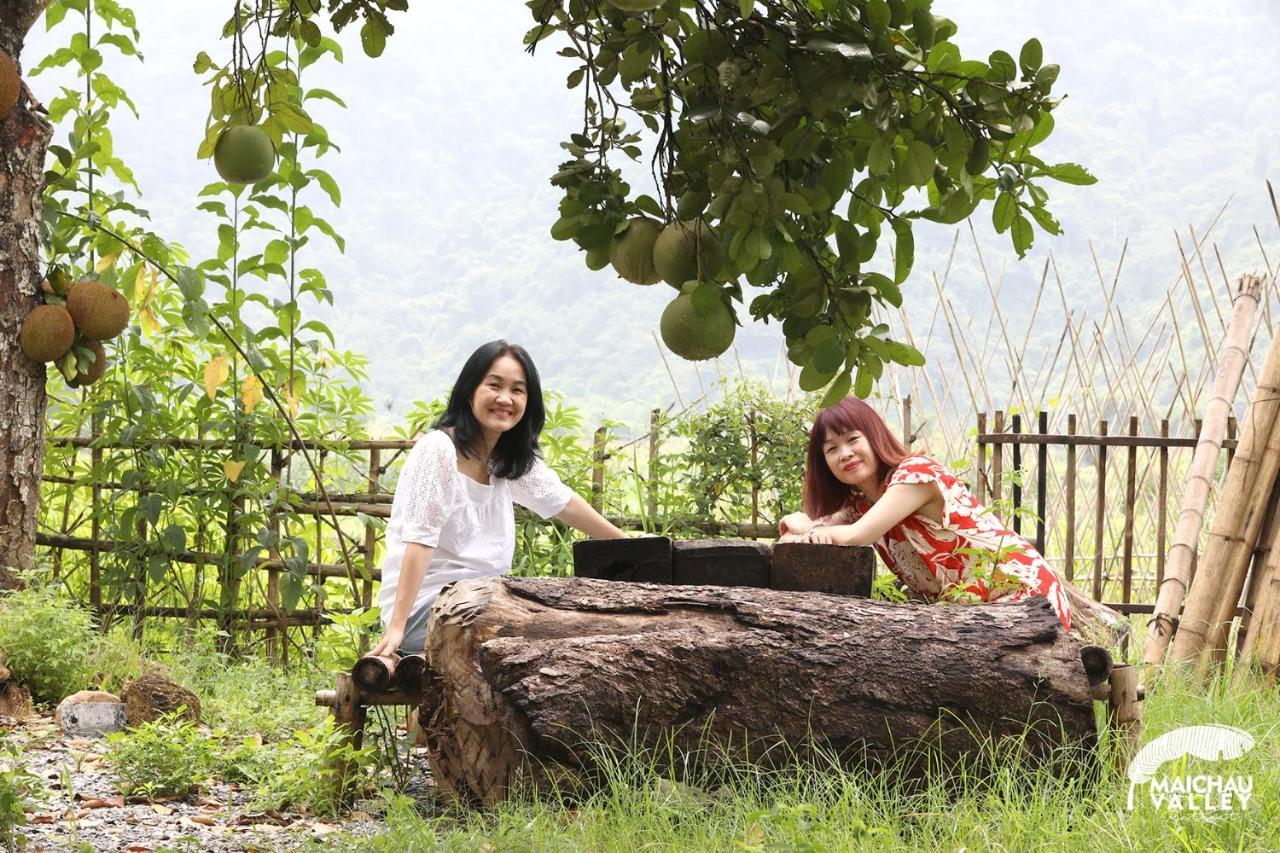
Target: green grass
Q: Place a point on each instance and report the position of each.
(822, 808)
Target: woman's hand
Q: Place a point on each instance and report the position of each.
(390, 642)
(795, 524)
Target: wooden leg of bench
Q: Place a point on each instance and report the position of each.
(350, 713)
(1124, 712)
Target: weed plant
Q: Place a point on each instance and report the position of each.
(167, 757)
(19, 791)
(48, 642)
(817, 805)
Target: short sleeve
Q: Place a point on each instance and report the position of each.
(922, 469)
(428, 488)
(540, 490)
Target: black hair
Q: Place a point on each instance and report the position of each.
(517, 448)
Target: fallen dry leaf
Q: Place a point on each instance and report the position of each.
(161, 810)
(202, 819)
(116, 802)
(268, 818)
(44, 818)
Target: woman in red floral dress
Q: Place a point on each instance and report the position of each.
(863, 488)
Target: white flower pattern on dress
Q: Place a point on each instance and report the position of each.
(926, 555)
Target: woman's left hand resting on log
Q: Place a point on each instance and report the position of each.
(894, 505)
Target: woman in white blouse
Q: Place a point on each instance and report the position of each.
(452, 517)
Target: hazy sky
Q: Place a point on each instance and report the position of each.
(451, 135)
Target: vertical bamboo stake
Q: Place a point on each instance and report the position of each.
(1257, 570)
(1017, 476)
(1162, 505)
(982, 459)
(655, 422)
(1042, 465)
(997, 457)
(1131, 458)
(1211, 601)
(1199, 481)
(906, 422)
(1069, 554)
(1261, 644)
(140, 580)
(273, 573)
(95, 524)
(597, 471)
(1100, 513)
(754, 448)
(370, 542)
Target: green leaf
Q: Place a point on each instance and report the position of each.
(1070, 173)
(565, 228)
(1002, 214)
(828, 355)
(880, 156)
(812, 378)
(838, 391)
(919, 164)
(905, 251)
(886, 287)
(904, 354)
(1045, 219)
(1002, 68)
(1031, 56)
(1023, 235)
(373, 38)
(1043, 128)
(745, 8)
(848, 51)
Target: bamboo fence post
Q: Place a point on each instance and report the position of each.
(655, 423)
(1258, 570)
(370, 542)
(1211, 601)
(597, 470)
(1042, 480)
(1100, 513)
(906, 422)
(95, 523)
(997, 457)
(1124, 712)
(143, 571)
(754, 448)
(981, 477)
(273, 574)
(1162, 505)
(1199, 482)
(1017, 476)
(1131, 477)
(1069, 551)
(1260, 645)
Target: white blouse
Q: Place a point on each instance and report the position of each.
(470, 525)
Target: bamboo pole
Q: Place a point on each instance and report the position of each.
(1237, 521)
(1199, 480)
(1261, 645)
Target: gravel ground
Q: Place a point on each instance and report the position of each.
(83, 811)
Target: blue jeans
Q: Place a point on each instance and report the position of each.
(415, 633)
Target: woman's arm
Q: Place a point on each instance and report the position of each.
(580, 515)
(895, 504)
(413, 568)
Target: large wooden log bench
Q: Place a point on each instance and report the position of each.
(522, 674)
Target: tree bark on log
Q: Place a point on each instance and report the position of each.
(524, 671)
(24, 141)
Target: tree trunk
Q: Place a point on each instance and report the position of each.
(24, 140)
(523, 671)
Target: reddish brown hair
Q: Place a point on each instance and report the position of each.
(823, 493)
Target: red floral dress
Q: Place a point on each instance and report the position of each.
(930, 557)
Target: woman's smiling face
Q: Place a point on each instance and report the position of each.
(499, 400)
(851, 460)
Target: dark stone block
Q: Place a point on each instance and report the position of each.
(643, 559)
(720, 562)
(838, 569)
